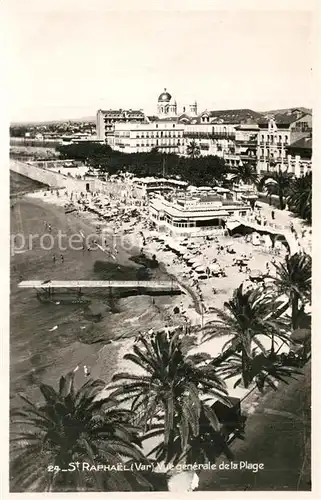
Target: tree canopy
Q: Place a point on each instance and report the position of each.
(203, 170)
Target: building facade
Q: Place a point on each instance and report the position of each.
(106, 120)
(275, 136)
(299, 157)
(236, 135)
(192, 215)
(167, 136)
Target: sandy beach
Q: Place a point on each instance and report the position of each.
(132, 235)
(81, 341)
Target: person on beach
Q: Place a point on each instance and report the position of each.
(49, 228)
(62, 258)
(54, 258)
(86, 371)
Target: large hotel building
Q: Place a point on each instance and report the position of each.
(238, 136)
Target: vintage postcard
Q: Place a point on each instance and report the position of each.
(161, 165)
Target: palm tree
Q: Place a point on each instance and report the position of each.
(71, 426)
(204, 446)
(193, 149)
(245, 173)
(300, 197)
(170, 384)
(247, 315)
(293, 278)
(279, 182)
(265, 369)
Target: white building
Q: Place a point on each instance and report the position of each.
(299, 157)
(148, 185)
(192, 214)
(106, 120)
(167, 136)
(276, 134)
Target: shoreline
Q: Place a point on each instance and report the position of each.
(105, 356)
(195, 306)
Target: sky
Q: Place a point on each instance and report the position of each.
(68, 59)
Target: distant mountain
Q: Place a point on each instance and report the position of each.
(285, 110)
(90, 119)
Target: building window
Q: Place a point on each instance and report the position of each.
(156, 125)
(174, 125)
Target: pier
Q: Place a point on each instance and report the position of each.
(165, 286)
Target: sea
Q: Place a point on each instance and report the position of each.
(48, 340)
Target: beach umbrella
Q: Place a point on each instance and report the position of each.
(270, 181)
(215, 267)
(198, 263)
(200, 269)
(256, 274)
(193, 259)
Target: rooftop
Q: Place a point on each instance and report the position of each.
(303, 143)
(118, 112)
(287, 118)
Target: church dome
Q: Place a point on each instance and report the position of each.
(164, 97)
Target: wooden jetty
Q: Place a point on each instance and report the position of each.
(70, 292)
(150, 285)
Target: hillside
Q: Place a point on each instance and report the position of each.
(285, 110)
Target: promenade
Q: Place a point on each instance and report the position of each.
(298, 238)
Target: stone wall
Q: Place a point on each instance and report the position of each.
(58, 180)
(52, 179)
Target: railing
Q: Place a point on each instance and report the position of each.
(209, 135)
(248, 157)
(252, 220)
(246, 143)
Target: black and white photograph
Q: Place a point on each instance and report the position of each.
(160, 212)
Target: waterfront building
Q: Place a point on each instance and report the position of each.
(106, 120)
(275, 136)
(215, 132)
(299, 157)
(194, 214)
(236, 135)
(165, 135)
(146, 186)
